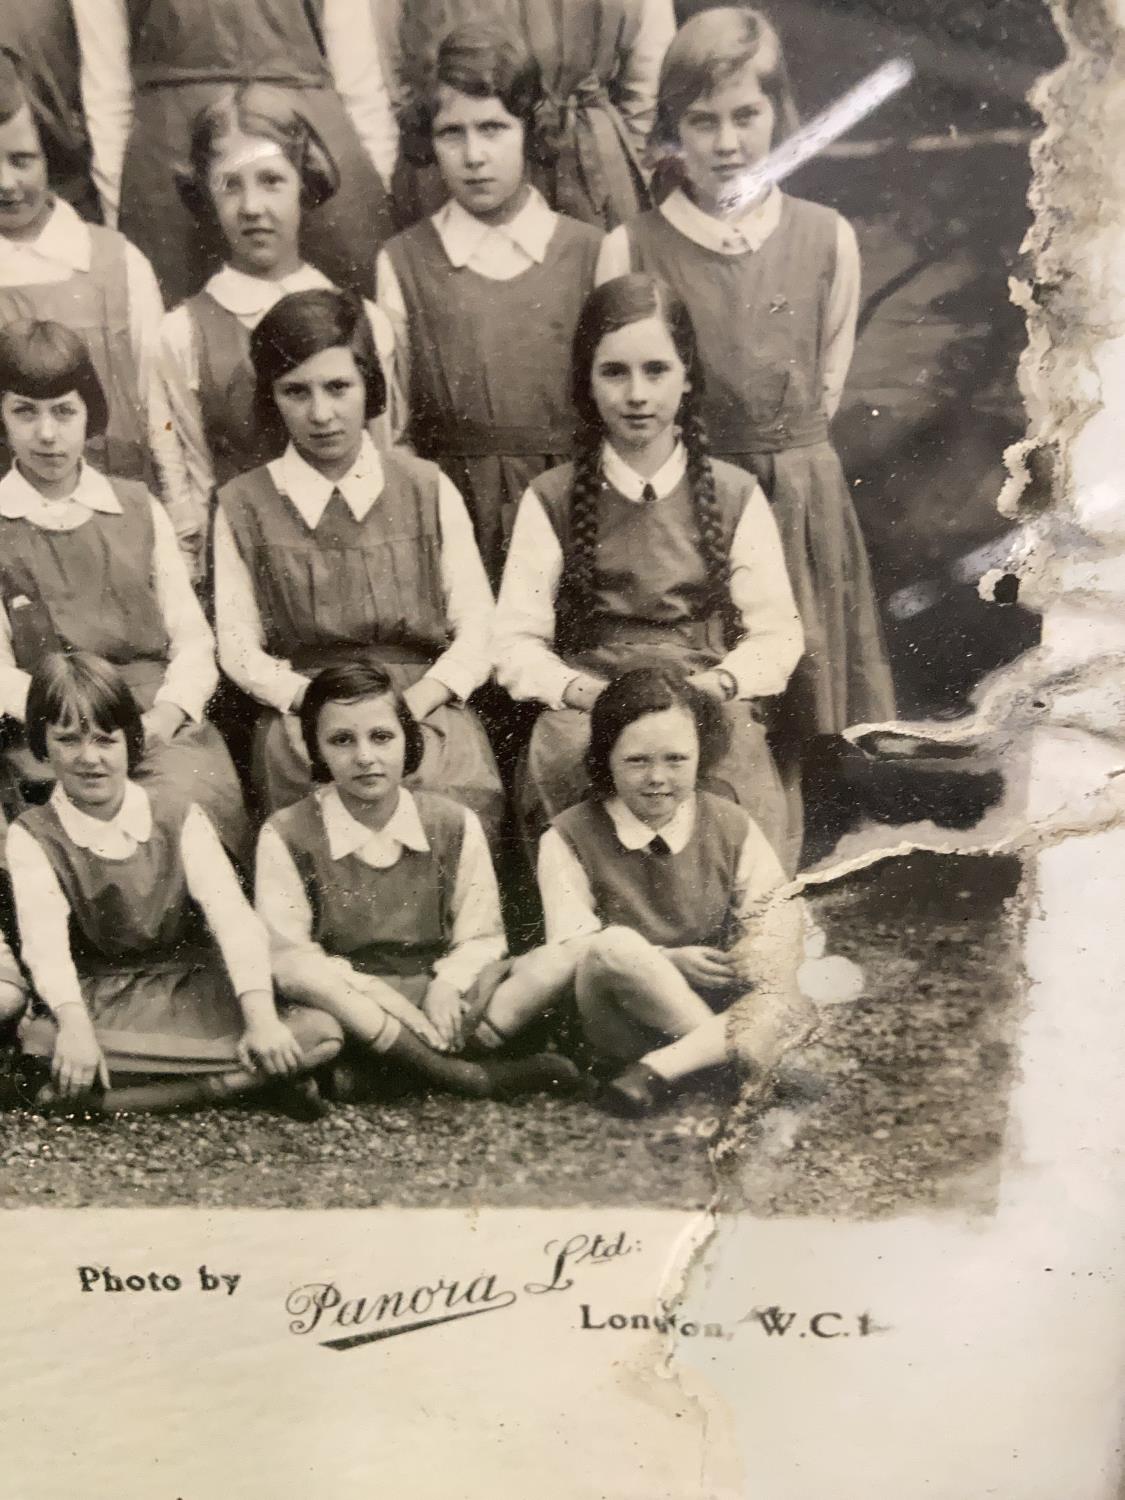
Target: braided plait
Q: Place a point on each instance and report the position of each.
(709, 519)
(573, 608)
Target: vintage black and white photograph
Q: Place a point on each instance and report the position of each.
(502, 580)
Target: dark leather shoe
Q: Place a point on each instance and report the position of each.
(638, 1091)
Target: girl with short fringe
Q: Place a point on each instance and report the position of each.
(336, 551)
(772, 286)
(257, 168)
(643, 549)
(89, 561)
(484, 295)
(146, 958)
(382, 904)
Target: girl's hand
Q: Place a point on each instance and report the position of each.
(709, 683)
(583, 692)
(423, 696)
(162, 722)
(77, 1062)
(295, 738)
(443, 1008)
(269, 1046)
(702, 967)
(399, 1006)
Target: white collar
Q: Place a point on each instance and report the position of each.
(633, 834)
(463, 236)
(251, 297)
(64, 239)
(310, 491)
(379, 848)
(20, 500)
(743, 232)
(116, 838)
(625, 479)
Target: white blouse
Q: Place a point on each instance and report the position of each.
(191, 675)
(527, 663)
(188, 472)
(469, 606)
(43, 912)
(303, 968)
(745, 234)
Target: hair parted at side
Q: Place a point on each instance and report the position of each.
(484, 59)
(707, 51)
(263, 112)
(42, 361)
(300, 326)
(650, 690)
(78, 687)
(610, 307)
(350, 682)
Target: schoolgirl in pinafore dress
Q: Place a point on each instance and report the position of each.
(377, 563)
(483, 313)
(134, 924)
(95, 567)
(57, 267)
(773, 292)
(611, 567)
(257, 168)
(598, 61)
(151, 66)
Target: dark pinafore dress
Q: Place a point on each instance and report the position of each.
(91, 589)
(650, 606)
(351, 589)
(151, 976)
(183, 55)
(759, 320)
(489, 369)
(41, 35)
(396, 922)
(95, 304)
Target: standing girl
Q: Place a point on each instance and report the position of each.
(149, 67)
(598, 61)
(672, 899)
(484, 296)
(772, 288)
(335, 552)
(256, 169)
(144, 954)
(643, 549)
(89, 562)
(383, 906)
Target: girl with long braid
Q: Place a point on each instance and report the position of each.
(644, 550)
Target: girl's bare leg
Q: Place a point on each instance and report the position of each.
(536, 981)
(626, 988)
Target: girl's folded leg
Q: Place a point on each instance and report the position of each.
(533, 985)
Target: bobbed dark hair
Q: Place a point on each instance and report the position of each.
(707, 51)
(484, 60)
(77, 685)
(42, 361)
(610, 307)
(296, 328)
(350, 682)
(650, 690)
(264, 111)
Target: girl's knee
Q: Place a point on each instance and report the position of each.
(614, 953)
(13, 1003)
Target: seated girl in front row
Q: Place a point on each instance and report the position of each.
(382, 905)
(145, 956)
(671, 898)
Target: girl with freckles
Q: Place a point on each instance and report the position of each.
(382, 904)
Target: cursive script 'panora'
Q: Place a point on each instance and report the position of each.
(321, 1303)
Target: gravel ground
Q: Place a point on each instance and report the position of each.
(900, 1102)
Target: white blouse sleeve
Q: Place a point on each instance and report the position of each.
(390, 426)
(352, 49)
(469, 606)
(14, 682)
(477, 935)
(302, 969)
(762, 662)
(568, 902)
(526, 662)
(392, 304)
(614, 257)
(213, 886)
(635, 87)
(102, 31)
(43, 915)
(192, 676)
(188, 474)
(840, 321)
(238, 625)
